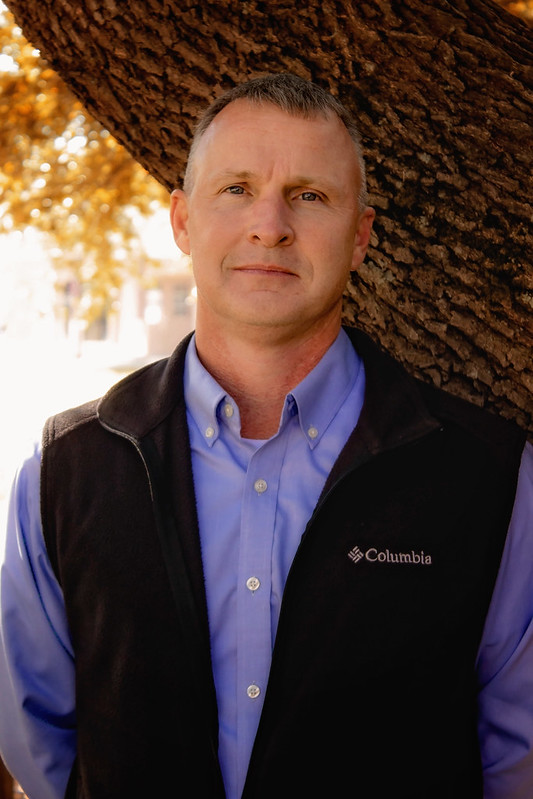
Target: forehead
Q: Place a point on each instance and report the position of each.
(269, 135)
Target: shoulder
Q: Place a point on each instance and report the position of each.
(468, 425)
(500, 437)
(133, 407)
(465, 413)
(69, 420)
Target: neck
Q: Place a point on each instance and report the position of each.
(258, 371)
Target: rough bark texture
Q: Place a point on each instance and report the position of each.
(443, 92)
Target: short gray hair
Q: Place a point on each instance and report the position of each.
(292, 94)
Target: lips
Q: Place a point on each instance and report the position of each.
(261, 268)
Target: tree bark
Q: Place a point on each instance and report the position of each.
(444, 96)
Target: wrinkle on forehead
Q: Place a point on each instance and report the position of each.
(266, 126)
(255, 118)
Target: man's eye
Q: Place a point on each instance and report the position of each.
(309, 196)
(234, 190)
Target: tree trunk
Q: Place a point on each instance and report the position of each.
(443, 93)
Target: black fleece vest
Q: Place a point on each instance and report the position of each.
(372, 690)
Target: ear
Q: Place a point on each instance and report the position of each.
(179, 217)
(362, 237)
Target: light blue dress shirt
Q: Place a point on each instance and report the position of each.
(254, 499)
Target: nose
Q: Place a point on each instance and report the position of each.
(270, 223)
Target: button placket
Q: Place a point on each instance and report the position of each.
(257, 531)
(258, 518)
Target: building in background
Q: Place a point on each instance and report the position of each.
(160, 314)
(145, 318)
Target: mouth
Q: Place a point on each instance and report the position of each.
(274, 270)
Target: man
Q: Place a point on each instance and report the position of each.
(273, 564)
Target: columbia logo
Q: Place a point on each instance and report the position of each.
(374, 555)
(355, 554)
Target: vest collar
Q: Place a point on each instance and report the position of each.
(141, 401)
(394, 411)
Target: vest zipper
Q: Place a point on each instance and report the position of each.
(181, 590)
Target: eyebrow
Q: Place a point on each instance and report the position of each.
(298, 180)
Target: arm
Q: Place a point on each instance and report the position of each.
(37, 732)
(505, 659)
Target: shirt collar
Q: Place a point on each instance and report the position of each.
(316, 399)
(203, 395)
(323, 391)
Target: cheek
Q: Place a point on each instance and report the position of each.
(344, 248)
(332, 254)
(328, 237)
(210, 235)
(200, 246)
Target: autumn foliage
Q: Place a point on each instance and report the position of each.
(63, 173)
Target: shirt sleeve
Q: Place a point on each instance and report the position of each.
(505, 658)
(37, 718)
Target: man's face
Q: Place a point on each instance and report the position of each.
(272, 221)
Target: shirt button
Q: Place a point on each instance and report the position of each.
(210, 432)
(252, 583)
(253, 691)
(228, 410)
(260, 486)
(312, 432)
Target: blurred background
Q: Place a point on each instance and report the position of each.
(91, 282)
